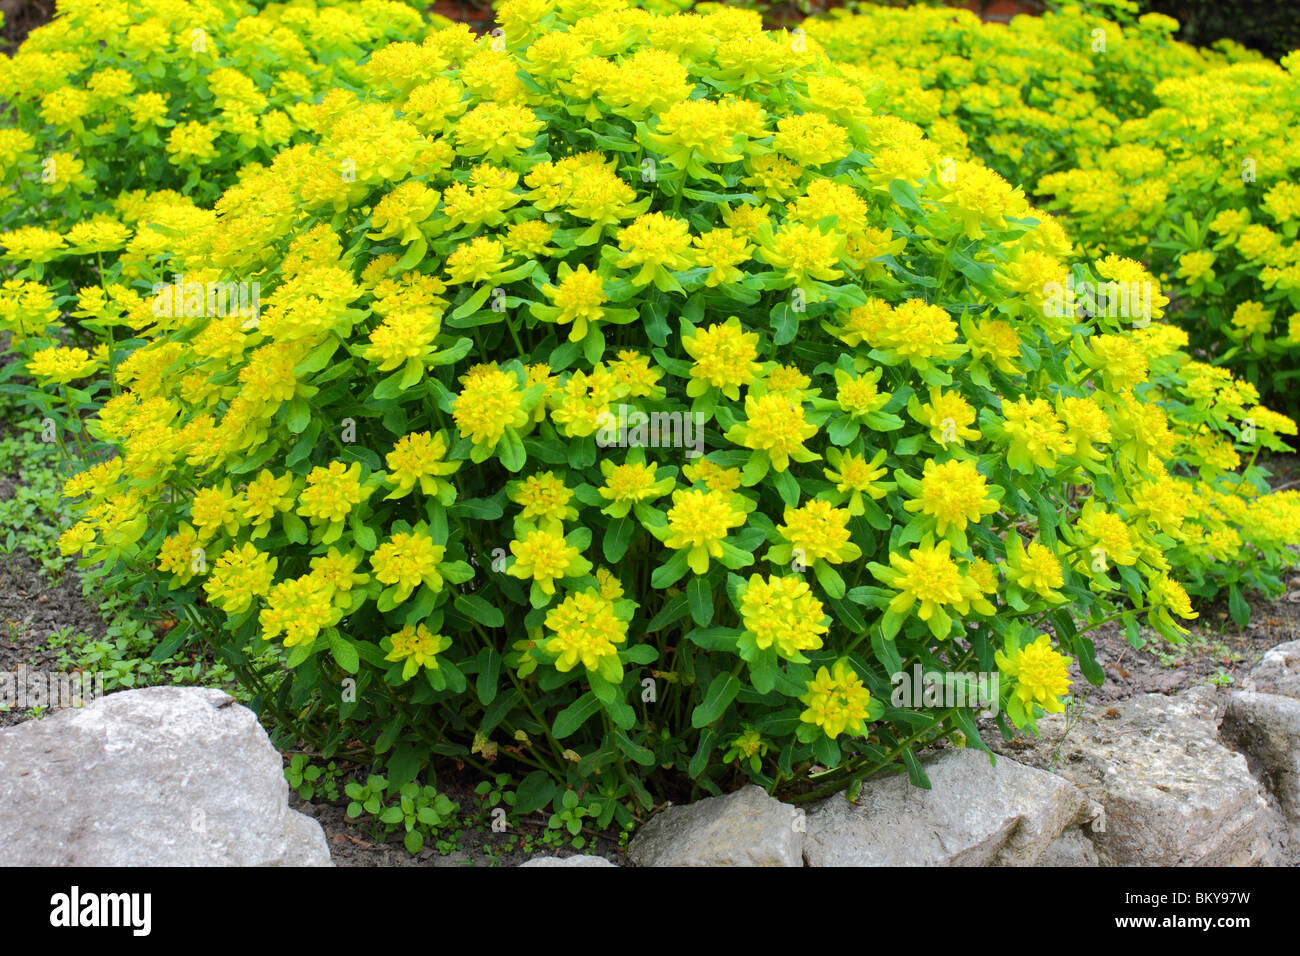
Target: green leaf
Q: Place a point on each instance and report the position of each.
(642, 755)
(1237, 606)
(785, 324)
(344, 652)
(535, 792)
(575, 715)
(673, 611)
(708, 739)
(476, 608)
(886, 652)
(403, 765)
(700, 596)
(489, 664)
(914, 771)
(722, 691)
(617, 537)
(511, 451)
(170, 644)
(299, 416)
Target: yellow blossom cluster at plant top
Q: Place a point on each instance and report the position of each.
(118, 97)
(640, 348)
(1207, 187)
(1185, 158)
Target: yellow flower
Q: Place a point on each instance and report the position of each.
(659, 244)
(1104, 537)
(725, 358)
(1251, 318)
(722, 252)
(782, 613)
(578, 299)
(339, 571)
(266, 496)
(488, 404)
(627, 484)
(919, 333)
(299, 608)
(62, 365)
(240, 575)
(859, 395)
(810, 139)
(855, 477)
(181, 555)
(816, 531)
(1196, 266)
(215, 509)
(420, 458)
(837, 702)
(587, 628)
(415, 646)
(1041, 674)
(804, 252)
(948, 415)
(77, 539)
(407, 560)
(701, 521)
(712, 475)
(545, 557)
(544, 499)
(775, 425)
(1166, 597)
(1034, 568)
(477, 261)
(1034, 434)
(400, 213)
(996, 341)
(332, 492)
(953, 494)
(929, 580)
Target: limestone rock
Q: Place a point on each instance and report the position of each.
(1072, 848)
(1277, 673)
(1267, 729)
(975, 814)
(578, 860)
(1173, 794)
(745, 828)
(163, 776)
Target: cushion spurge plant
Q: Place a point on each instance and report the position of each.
(629, 392)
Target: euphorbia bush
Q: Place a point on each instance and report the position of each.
(150, 95)
(1180, 158)
(1206, 189)
(633, 409)
(1030, 96)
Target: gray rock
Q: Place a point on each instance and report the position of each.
(164, 776)
(1277, 673)
(1173, 794)
(1072, 848)
(1267, 728)
(578, 860)
(975, 814)
(745, 828)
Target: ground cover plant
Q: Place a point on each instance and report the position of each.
(624, 399)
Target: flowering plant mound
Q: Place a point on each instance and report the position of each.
(1180, 158)
(1029, 96)
(154, 95)
(642, 406)
(1206, 187)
